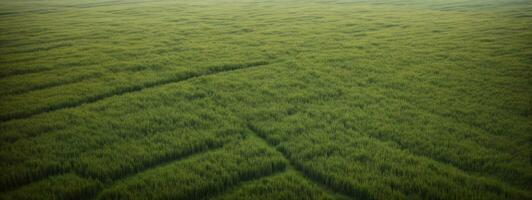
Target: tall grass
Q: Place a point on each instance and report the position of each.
(245, 99)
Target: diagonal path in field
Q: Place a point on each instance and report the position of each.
(439, 161)
(309, 175)
(452, 163)
(240, 183)
(19, 72)
(135, 88)
(241, 178)
(43, 86)
(169, 158)
(243, 182)
(162, 161)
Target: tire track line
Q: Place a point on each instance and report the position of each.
(307, 174)
(242, 179)
(162, 161)
(244, 182)
(49, 85)
(179, 77)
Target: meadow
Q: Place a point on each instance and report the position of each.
(266, 99)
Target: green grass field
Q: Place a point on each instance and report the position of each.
(266, 99)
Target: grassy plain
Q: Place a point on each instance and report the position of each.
(266, 99)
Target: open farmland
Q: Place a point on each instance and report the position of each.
(266, 99)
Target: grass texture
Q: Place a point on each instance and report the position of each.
(266, 99)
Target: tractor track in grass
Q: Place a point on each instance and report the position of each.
(8, 74)
(308, 174)
(449, 164)
(160, 162)
(321, 179)
(52, 84)
(244, 182)
(163, 160)
(179, 77)
(242, 178)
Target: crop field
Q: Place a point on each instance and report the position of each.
(266, 99)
